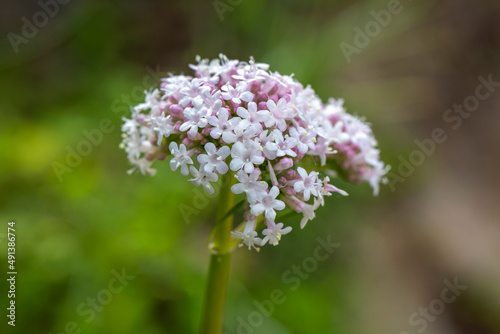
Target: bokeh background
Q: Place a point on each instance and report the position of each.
(93, 59)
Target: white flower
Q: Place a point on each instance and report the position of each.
(173, 84)
(211, 101)
(280, 146)
(251, 117)
(196, 117)
(277, 114)
(273, 234)
(308, 212)
(376, 176)
(252, 72)
(249, 238)
(244, 132)
(263, 138)
(162, 125)
(308, 184)
(237, 94)
(335, 133)
(130, 125)
(249, 184)
(203, 178)
(151, 103)
(144, 166)
(321, 149)
(223, 126)
(305, 139)
(135, 144)
(223, 67)
(246, 155)
(182, 157)
(267, 204)
(326, 190)
(214, 159)
(191, 91)
(205, 69)
(334, 107)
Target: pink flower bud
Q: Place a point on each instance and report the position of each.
(274, 97)
(290, 174)
(262, 97)
(290, 191)
(176, 110)
(284, 163)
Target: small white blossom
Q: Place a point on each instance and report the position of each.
(280, 146)
(308, 185)
(223, 127)
(238, 94)
(214, 159)
(246, 155)
(305, 139)
(196, 118)
(327, 190)
(249, 235)
(144, 166)
(193, 90)
(250, 116)
(162, 125)
(200, 177)
(277, 114)
(244, 132)
(249, 184)
(249, 238)
(274, 233)
(252, 72)
(130, 125)
(182, 158)
(173, 84)
(308, 213)
(268, 203)
(151, 103)
(211, 100)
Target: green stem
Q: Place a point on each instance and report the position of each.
(212, 320)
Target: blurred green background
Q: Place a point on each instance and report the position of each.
(93, 59)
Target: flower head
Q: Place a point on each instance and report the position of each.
(276, 136)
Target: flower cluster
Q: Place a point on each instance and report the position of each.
(271, 132)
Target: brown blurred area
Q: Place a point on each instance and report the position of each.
(444, 221)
